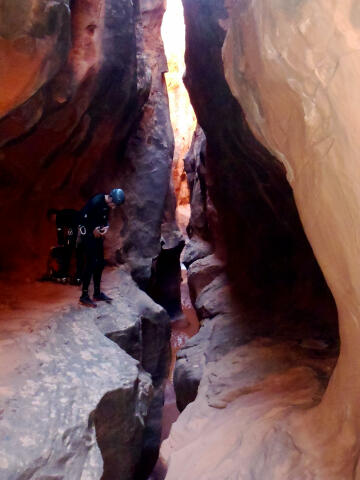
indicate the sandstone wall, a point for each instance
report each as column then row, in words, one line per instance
column 70, row 124
column 56, row 146
column 261, row 239
column 271, row 385
column 84, row 108
column 146, row 166
column 295, row 66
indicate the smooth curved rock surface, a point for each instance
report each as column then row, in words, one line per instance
column 295, row 68
column 264, row 407
column 257, row 231
column 238, row 425
column 34, row 43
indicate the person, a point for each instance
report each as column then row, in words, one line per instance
column 60, row 257
column 94, row 224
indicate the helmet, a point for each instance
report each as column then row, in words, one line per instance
column 117, row 196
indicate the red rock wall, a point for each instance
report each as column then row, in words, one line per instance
column 64, row 133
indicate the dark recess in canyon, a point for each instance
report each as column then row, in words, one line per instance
column 257, row 231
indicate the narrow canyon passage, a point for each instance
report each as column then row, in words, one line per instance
column 181, row 330
column 183, row 121
column 232, row 128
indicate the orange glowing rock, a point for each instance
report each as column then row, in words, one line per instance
column 183, row 119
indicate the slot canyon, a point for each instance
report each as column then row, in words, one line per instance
column 228, row 351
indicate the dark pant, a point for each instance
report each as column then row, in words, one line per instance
column 93, row 249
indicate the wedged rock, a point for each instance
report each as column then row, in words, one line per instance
column 166, row 269
column 214, row 298
column 64, row 378
column 195, row 249
column 202, row 272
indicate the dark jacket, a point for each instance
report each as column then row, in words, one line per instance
column 95, row 214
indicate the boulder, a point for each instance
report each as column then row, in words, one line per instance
column 201, row 273
column 215, row 298
column 68, row 380
column 73, row 404
column 137, row 325
column 166, row 269
column 195, row 249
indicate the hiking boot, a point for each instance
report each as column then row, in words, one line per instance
column 101, row 297
column 87, row 302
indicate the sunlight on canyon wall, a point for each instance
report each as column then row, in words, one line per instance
column 183, row 118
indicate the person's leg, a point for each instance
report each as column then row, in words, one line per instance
column 88, row 271
column 89, row 255
column 99, row 264
column 98, row 294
